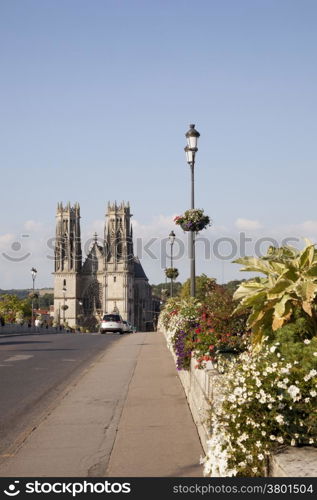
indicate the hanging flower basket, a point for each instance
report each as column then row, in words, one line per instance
column 193, row 220
column 171, row 273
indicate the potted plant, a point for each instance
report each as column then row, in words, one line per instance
column 193, row 220
column 171, row 272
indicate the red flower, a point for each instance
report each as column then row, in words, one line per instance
column 198, row 330
column 211, row 347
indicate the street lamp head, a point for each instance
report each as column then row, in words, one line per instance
column 64, row 289
column 33, row 272
column 192, row 137
column 172, row 237
column 190, row 154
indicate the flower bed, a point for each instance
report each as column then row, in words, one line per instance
column 268, row 401
column 266, row 395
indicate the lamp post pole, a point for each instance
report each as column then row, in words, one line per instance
column 172, row 239
column 191, row 150
column 64, row 292
column 33, row 274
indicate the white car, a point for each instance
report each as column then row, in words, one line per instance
column 111, row 323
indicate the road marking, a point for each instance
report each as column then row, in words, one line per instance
column 19, row 357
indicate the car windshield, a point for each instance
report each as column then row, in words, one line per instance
column 112, row 317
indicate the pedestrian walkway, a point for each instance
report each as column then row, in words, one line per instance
column 127, row 416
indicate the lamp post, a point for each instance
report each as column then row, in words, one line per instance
column 171, row 237
column 64, row 292
column 33, row 274
column 191, row 150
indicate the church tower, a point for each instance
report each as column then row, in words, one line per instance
column 68, row 262
column 119, row 262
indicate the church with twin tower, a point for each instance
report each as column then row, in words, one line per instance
column 110, row 278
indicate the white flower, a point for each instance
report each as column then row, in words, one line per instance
column 263, row 433
column 238, row 391
column 280, row 439
column 294, row 392
column 254, row 469
column 260, row 456
column 293, row 442
column 273, row 348
column 311, row 441
column 272, row 437
column 279, row 418
column 306, row 341
column 310, row 375
column 258, row 444
column 313, row 393
column 315, row 353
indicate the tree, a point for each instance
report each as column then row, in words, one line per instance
column 12, row 307
column 204, row 285
column 46, row 300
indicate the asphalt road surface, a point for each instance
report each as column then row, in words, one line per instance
column 35, row 371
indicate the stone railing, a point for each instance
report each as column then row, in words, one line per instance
column 16, row 329
column 202, row 388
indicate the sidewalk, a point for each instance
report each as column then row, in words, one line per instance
column 126, row 417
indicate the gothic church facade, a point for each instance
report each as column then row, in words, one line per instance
column 110, row 279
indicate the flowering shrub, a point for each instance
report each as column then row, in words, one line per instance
column 193, row 220
column 269, row 399
column 178, row 315
column 219, row 331
column 203, row 331
column 210, row 345
column 182, row 346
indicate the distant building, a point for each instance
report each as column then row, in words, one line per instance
column 110, row 279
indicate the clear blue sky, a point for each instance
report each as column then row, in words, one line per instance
column 96, row 97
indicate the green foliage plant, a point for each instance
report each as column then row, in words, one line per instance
column 290, row 285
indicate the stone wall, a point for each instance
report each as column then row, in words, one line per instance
column 202, row 388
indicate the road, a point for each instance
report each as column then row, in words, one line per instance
column 35, row 371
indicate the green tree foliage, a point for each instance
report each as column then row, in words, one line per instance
column 12, row 307
column 46, row 300
column 203, row 287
